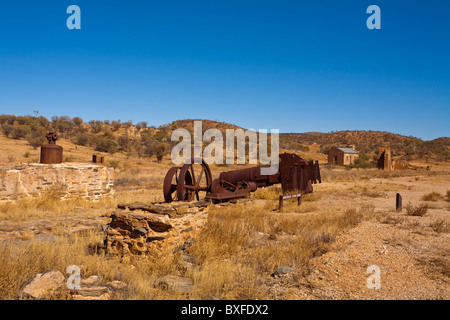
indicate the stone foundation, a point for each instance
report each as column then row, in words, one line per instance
column 137, row 228
column 65, row 180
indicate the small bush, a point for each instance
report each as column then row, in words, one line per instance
column 419, row 210
column 432, row 196
column 20, row 131
column 440, row 226
column 105, row 145
column 114, row 163
column 35, row 140
column 7, row 129
column 81, row 139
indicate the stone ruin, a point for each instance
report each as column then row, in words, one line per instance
column 85, row 180
column 384, row 158
column 385, row 161
column 137, row 228
column 52, row 176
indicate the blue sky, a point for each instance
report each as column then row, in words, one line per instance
column 296, row 66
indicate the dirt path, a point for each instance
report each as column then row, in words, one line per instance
column 413, row 264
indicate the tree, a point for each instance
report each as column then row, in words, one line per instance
column 20, row 131
column 116, row 124
column 124, row 143
column 104, row 144
column 148, row 144
column 7, row 129
column 161, row 149
column 36, row 139
column 77, row 121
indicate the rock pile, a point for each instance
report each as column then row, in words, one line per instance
column 138, row 228
column 53, row 285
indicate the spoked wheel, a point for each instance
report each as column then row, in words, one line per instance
column 171, row 182
column 200, row 178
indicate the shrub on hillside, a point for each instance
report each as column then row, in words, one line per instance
column 7, row 129
column 81, row 139
column 105, row 145
column 20, row 131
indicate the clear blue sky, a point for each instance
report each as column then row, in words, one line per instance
column 295, row 66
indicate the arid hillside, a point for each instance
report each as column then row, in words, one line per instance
column 367, row 142
column 142, row 140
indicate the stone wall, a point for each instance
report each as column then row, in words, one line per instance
column 90, row 181
column 138, row 228
column 384, row 158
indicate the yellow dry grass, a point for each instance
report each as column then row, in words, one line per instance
column 234, row 256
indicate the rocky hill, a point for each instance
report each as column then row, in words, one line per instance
column 142, row 139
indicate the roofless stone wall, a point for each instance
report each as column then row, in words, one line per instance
column 89, row 181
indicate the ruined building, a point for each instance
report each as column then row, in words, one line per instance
column 342, row 156
column 384, row 158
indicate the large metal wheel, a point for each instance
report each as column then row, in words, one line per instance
column 171, row 182
column 200, row 180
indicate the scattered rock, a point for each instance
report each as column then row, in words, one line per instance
column 118, row 285
column 152, row 208
column 44, row 285
column 91, row 281
column 282, row 270
column 175, row 283
column 91, row 291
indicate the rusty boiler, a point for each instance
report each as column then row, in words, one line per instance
column 51, row 153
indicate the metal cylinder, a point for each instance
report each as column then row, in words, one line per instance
column 51, row 153
column 249, row 175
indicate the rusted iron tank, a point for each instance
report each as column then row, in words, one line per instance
column 51, row 153
column 183, row 183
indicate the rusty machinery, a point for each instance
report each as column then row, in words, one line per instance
column 186, row 182
column 51, row 153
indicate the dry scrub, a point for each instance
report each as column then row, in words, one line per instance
column 235, row 257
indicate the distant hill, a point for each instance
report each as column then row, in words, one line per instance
column 144, row 140
column 367, row 142
column 188, row 124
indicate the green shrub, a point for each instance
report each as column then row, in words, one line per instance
column 20, row 131
column 81, row 139
column 105, row 145
column 114, row 163
column 7, row 129
column 35, row 141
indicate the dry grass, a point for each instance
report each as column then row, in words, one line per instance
column 432, row 196
column 440, row 226
column 234, row 256
column 244, row 244
column 49, row 204
column 419, row 210
column 19, row 261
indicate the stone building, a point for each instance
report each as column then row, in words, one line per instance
column 384, row 158
column 342, row 156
